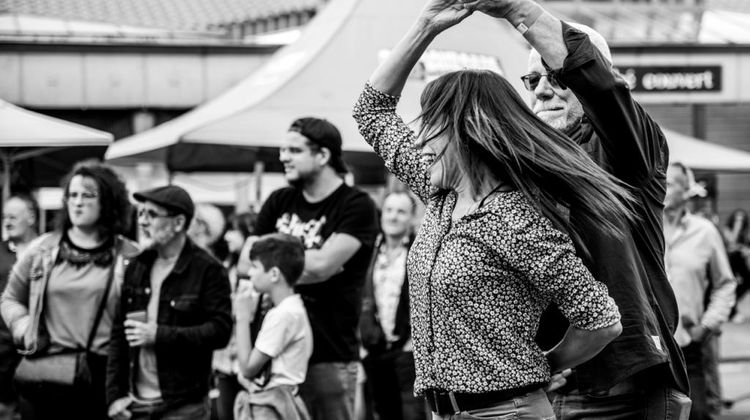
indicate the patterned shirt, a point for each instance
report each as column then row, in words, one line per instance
column 478, row 285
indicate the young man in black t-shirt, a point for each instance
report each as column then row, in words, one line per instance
column 337, row 225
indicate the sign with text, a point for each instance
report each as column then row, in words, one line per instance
column 672, row 78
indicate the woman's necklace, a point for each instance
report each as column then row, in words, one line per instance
column 479, row 204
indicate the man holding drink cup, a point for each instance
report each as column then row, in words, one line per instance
column 175, row 310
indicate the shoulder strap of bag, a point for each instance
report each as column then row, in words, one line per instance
column 103, row 303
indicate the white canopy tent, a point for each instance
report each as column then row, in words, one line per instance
column 321, row 74
column 23, row 128
column 25, row 134
column 702, row 155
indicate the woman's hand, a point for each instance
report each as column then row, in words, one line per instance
column 439, row 15
column 436, row 16
column 118, row 410
column 558, row 380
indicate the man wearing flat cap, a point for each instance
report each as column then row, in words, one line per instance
column 337, row 224
column 175, row 310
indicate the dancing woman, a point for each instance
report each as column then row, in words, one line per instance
column 495, row 245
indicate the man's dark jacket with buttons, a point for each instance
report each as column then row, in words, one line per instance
column 194, row 319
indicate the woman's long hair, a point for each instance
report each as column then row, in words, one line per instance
column 490, row 128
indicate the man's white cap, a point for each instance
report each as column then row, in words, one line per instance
column 596, row 38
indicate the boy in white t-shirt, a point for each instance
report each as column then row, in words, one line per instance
column 285, row 338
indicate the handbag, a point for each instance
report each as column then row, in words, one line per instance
column 69, row 367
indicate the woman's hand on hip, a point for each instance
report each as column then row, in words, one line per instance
column 118, row 410
column 558, row 380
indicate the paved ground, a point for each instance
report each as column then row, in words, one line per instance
column 735, row 366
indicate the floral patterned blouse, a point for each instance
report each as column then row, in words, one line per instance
column 478, row 285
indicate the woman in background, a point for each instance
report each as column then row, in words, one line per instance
column 55, row 290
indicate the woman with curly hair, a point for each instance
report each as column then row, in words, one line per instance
column 62, row 293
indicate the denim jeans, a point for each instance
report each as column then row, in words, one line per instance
column 329, row 390
column 532, row 406
column 228, row 387
column 713, row 381
column 199, row 410
column 390, row 381
column 701, row 360
column 9, row 359
column 624, row 401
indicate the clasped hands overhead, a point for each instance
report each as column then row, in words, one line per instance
column 448, row 10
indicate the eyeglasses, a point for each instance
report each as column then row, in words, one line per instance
column 531, row 80
column 85, row 196
column 151, row 214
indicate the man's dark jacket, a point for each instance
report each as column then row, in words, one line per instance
column 194, row 320
column 621, row 138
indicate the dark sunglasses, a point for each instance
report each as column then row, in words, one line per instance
column 531, row 80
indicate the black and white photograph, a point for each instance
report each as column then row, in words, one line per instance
column 375, row 209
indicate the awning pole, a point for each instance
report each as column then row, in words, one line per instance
column 7, row 161
column 259, row 168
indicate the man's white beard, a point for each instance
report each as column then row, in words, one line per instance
column 559, row 123
column 153, row 242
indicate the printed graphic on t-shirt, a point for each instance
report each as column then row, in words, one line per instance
column 310, row 231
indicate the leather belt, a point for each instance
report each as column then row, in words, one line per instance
column 447, row 402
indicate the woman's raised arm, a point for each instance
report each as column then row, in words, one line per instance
column 437, row 16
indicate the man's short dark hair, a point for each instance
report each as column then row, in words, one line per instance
column 282, row 251
column 322, row 133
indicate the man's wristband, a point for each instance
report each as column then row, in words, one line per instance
column 529, row 19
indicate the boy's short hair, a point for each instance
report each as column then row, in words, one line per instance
column 282, row 251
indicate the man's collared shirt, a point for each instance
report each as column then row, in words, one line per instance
column 696, row 261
